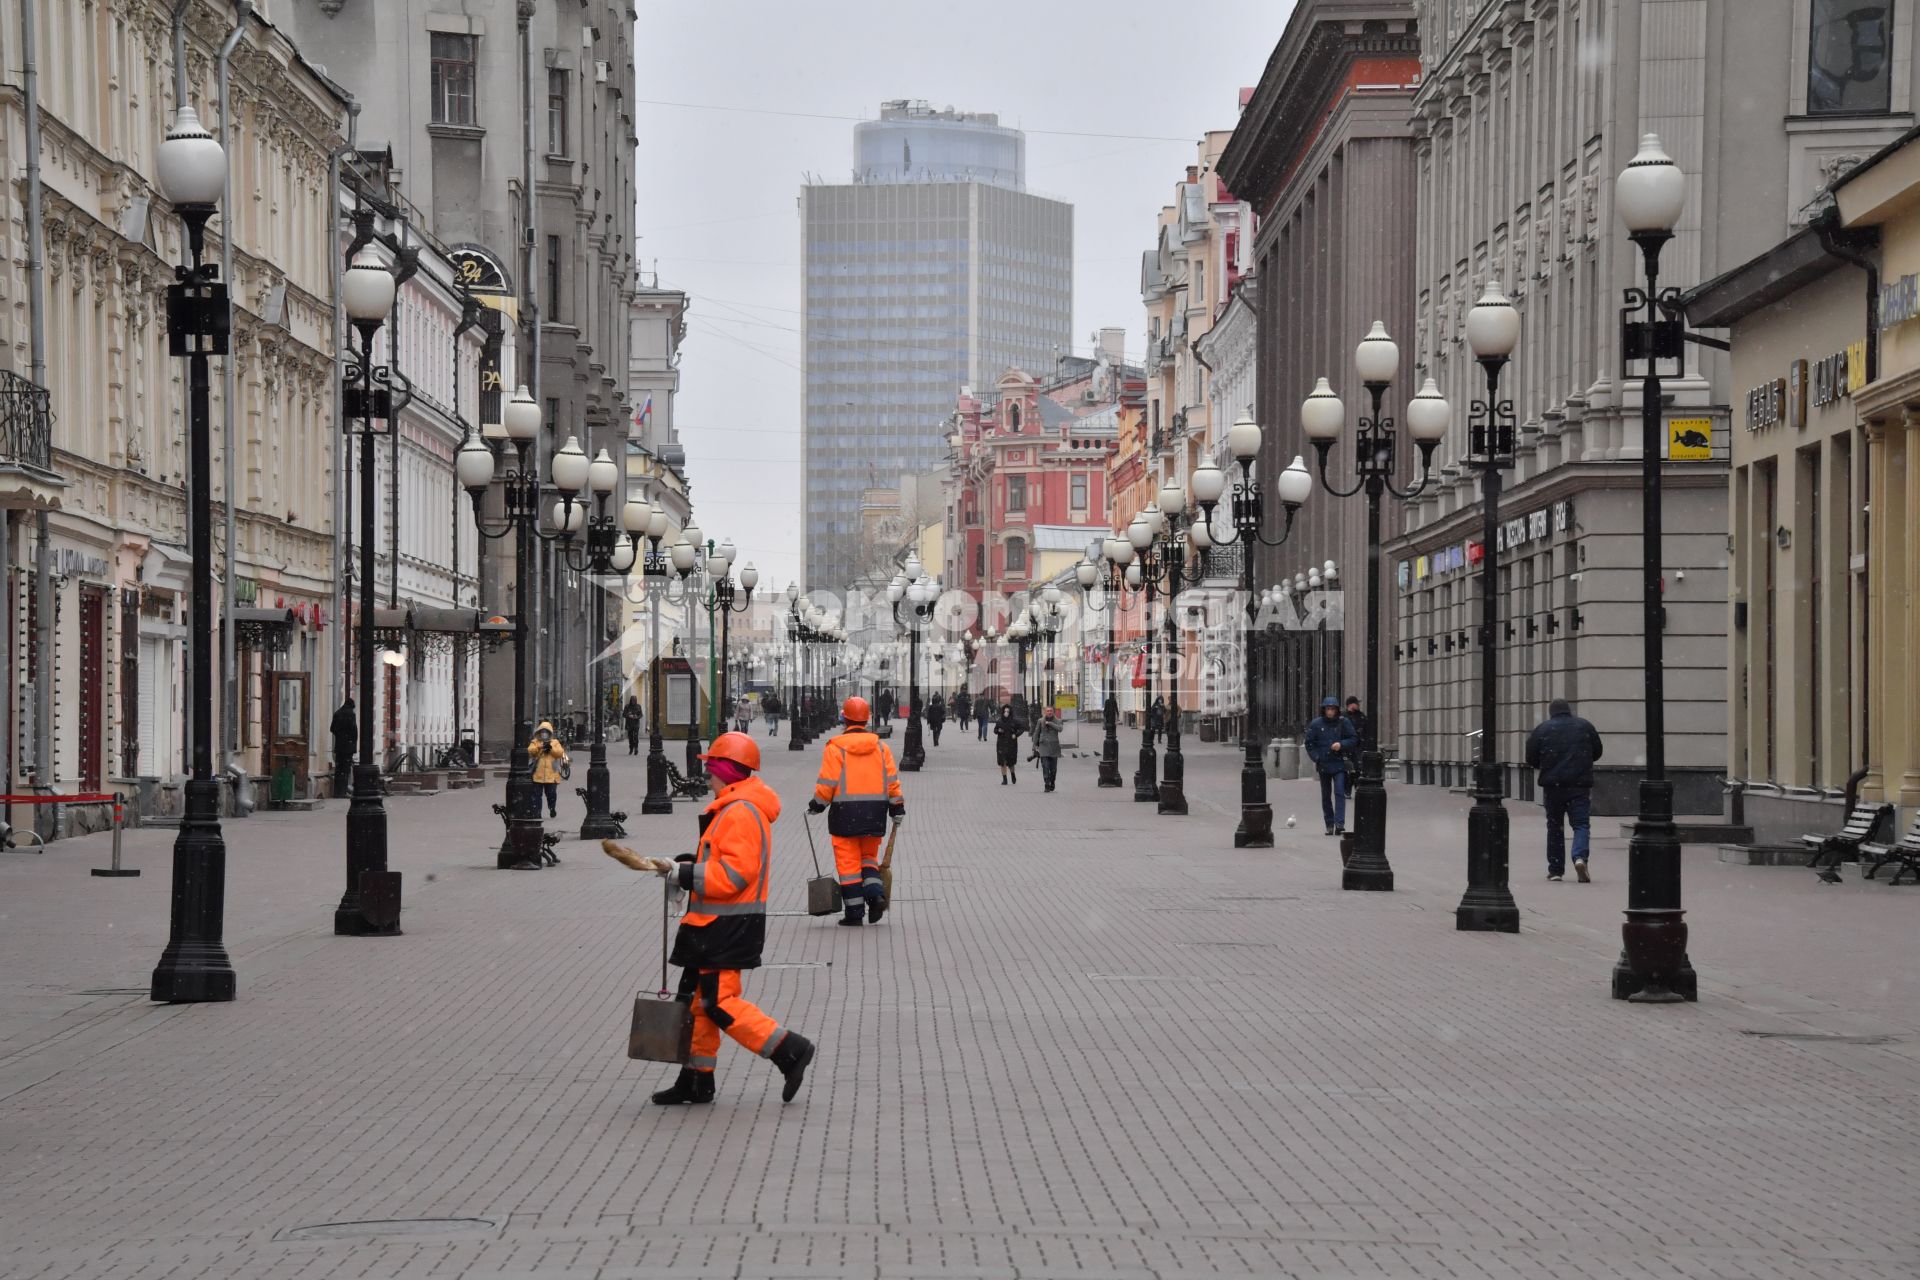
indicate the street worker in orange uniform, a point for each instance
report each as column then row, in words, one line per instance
column 726, row 924
column 860, row 786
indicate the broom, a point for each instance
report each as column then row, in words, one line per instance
column 886, row 866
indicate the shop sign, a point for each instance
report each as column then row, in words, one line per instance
column 1767, row 405
column 1690, row 439
column 68, row 563
column 1899, row 301
column 1476, row 553
column 1818, row 384
column 1449, row 559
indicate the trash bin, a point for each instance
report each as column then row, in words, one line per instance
column 281, row 789
column 1283, row 758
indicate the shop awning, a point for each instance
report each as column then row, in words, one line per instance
column 263, row 617
column 386, row 619
column 442, row 618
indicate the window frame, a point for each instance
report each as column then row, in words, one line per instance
column 444, row 92
column 1021, row 481
column 1890, row 21
column 558, row 108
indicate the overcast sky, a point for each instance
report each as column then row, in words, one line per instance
column 718, row 209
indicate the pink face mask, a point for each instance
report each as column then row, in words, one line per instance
column 726, row 772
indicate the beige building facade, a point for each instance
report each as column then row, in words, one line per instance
column 114, row 603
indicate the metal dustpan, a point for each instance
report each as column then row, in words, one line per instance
column 823, row 892
column 662, row 1022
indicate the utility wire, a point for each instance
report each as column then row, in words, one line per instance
column 819, row 115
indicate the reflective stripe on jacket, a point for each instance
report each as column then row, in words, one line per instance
column 726, row 922
column 859, row 783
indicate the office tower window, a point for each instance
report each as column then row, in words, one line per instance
column 556, row 111
column 452, row 77
column 1848, row 71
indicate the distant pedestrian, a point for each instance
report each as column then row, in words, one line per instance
column 743, row 715
column 1157, row 718
column 1563, row 748
column 962, row 708
column 982, row 721
column 632, row 716
column 550, row 765
column 1007, row 728
column 1046, row 745
column 936, row 716
column 1357, row 718
column 884, row 705
column 345, row 728
column 1330, row 745
column 771, row 708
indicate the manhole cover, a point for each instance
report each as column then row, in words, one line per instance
column 385, row 1228
column 1821, row 1037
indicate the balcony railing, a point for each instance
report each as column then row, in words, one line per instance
column 26, row 423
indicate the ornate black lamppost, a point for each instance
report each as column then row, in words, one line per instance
column 1021, row 633
column 1166, row 570
column 1047, row 617
column 799, row 732
column 725, row 590
column 476, row 468
column 1249, row 513
column 1653, row 968
column 1141, row 575
column 1493, row 328
column 697, row 545
column 1102, row 562
column 659, row 797
column 1322, row 417
column 919, row 593
column 367, row 291
column 194, row 967
column 609, row 550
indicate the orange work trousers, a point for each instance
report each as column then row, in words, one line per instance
column 717, row 1007
column 856, row 860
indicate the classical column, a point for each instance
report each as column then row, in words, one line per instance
column 1880, row 534
column 1903, row 647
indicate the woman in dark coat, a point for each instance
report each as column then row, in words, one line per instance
column 1157, row 718
column 1006, row 747
column 936, row 716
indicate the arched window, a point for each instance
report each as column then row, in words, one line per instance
column 1013, row 417
column 1016, row 555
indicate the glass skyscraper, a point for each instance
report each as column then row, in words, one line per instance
column 934, row 268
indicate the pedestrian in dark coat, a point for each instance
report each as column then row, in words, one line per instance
column 1330, row 743
column 345, row 728
column 886, row 705
column 936, row 716
column 1007, row 729
column 1357, row 718
column 1046, row 746
column 962, row 708
column 632, row 715
column 1563, row 748
column 1157, row 718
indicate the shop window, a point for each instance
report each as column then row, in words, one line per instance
column 1848, row 69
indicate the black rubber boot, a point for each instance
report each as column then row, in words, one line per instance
column 792, row 1057
column 689, row 1086
column 876, row 906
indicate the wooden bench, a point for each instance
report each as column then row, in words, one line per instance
column 1863, row 823
column 1905, row 851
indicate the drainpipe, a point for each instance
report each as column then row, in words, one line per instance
column 229, row 652
column 336, row 643
column 531, row 274
column 37, row 357
column 1848, row 254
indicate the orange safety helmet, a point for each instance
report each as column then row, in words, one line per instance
column 737, row 747
column 855, row 711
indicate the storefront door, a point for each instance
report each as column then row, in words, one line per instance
column 287, row 727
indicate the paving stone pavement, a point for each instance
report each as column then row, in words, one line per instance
column 1089, row 1041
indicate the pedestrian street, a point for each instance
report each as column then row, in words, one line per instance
column 1086, row 1040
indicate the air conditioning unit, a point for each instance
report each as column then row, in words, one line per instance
column 600, row 70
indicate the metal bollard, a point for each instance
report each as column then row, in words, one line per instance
column 119, row 825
